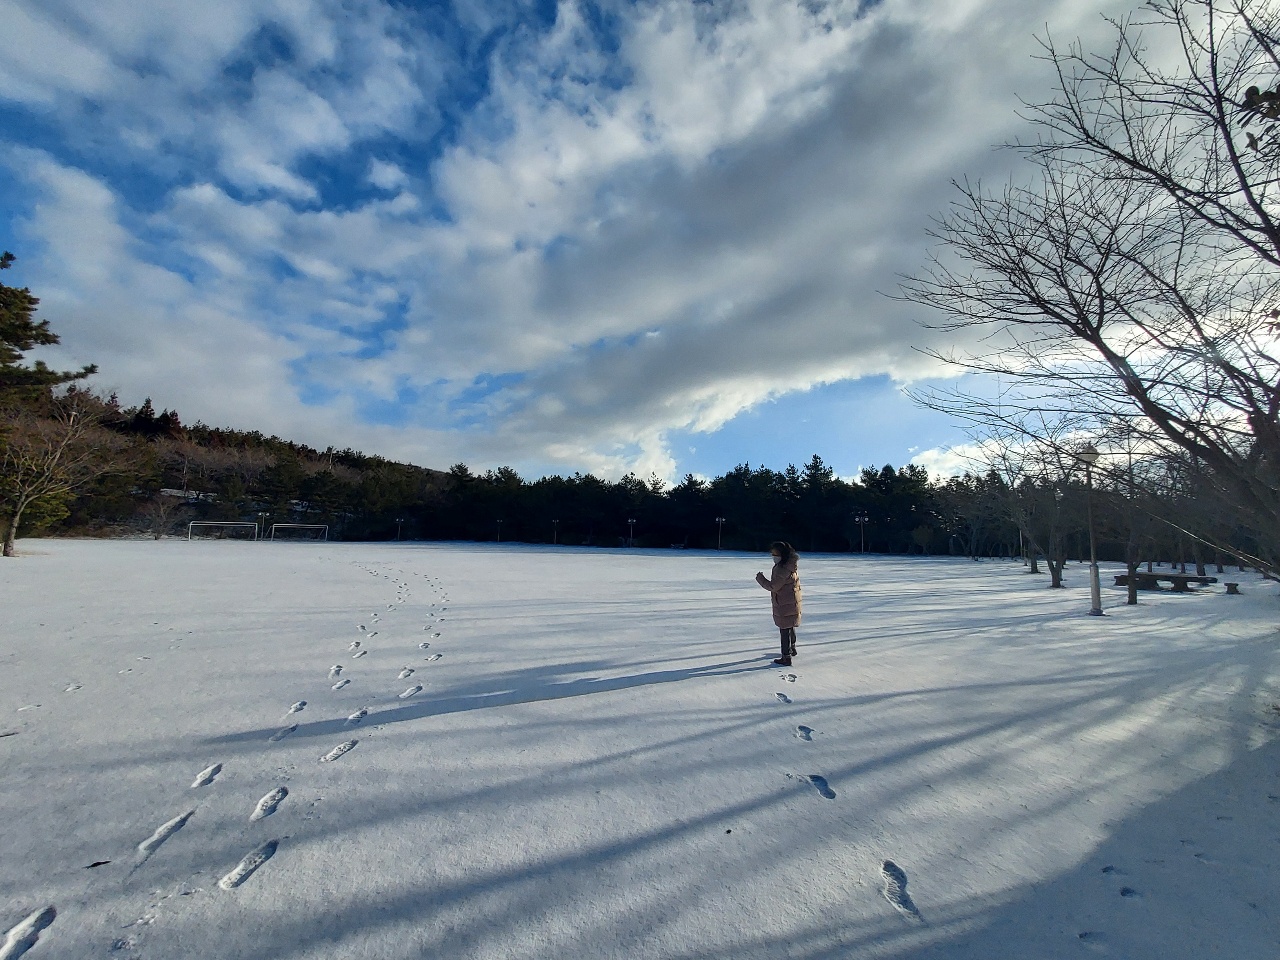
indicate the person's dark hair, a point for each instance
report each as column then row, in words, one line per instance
column 784, row 550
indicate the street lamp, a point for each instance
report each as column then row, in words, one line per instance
column 499, row 531
column 1088, row 455
column 555, row 533
column 719, row 530
column 861, row 519
column 631, row 540
column 399, row 524
column 262, row 515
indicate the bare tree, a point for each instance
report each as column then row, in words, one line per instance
column 161, row 513
column 1040, row 485
column 47, row 453
column 1134, row 285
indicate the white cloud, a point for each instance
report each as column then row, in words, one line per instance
column 42, row 61
column 386, row 176
column 954, row 461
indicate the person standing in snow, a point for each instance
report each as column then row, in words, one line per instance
column 783, row 585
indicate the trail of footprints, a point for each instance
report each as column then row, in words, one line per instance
column 805, row 733
column 893, row 877
column 23, row 936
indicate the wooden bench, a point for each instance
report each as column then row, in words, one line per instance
column 1151, row 581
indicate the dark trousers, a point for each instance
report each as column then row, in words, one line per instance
column 788, row 641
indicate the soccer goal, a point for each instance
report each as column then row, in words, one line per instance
column 299, row 531
column 219, row 530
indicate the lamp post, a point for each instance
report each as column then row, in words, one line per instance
column 631, row 538
column 555, row 531
column 399, row 525
column 262, row 516
column 499, row 531
column 861, row 519
column 1088, row 455
column 719, row 530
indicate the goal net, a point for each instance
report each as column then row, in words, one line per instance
column 217, row 530
column 299, row 531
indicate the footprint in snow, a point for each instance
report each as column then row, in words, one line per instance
column 354, row 645
column 334, row 671
column 783, row 697
column 268, row 804
column 206, row 776
column 282, row 733
column 804, row 733
column 362, row 628
column 424, row 645
column 789, row 677
column 248, row 864
column 23, row 936
column 416, row 688
column 820, row 784
column 406, row 673
column 339, row 750
column 357, row 716
column 434, row 656
column 895, row 890
column 163, row 832
column 298, row 707
column 340, row 684
column 358, row 654
column 72, row 689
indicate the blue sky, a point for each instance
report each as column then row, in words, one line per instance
column 607, row 237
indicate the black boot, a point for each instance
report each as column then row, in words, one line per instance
column 785, row 659
column 791, row 652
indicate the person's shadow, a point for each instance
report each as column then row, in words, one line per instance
column 525, row 687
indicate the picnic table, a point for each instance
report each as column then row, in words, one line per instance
column 1151, row 581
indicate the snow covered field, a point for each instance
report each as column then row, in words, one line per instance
column 572, row 753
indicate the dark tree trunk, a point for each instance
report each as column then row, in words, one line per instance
column 11, row 530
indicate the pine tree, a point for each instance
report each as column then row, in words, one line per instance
column 20, row 332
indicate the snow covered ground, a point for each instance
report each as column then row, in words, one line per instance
column 561, row 753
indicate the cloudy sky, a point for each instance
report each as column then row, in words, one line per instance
column 650, row 236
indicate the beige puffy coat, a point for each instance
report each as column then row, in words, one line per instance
column 783, row 585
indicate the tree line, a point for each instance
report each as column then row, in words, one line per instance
column 138, row 470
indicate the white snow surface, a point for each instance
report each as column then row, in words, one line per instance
column 598, row 764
